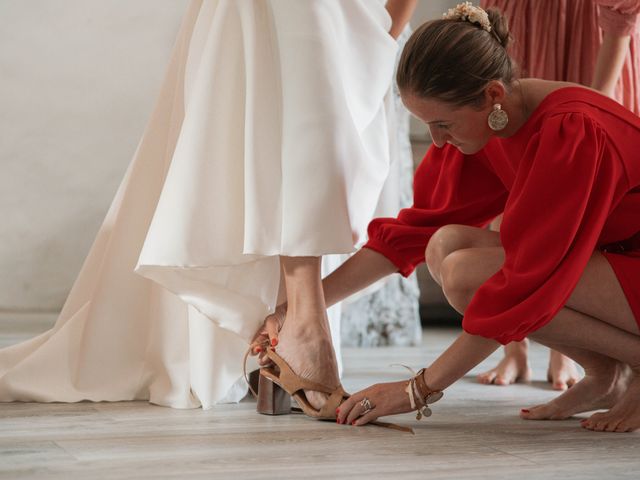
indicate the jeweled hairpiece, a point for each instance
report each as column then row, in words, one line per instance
column 468, row 13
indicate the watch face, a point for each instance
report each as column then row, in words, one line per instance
column 433, row 397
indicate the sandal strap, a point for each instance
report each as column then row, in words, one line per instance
column 333, row 402
column 245, row 374
column 291, row 381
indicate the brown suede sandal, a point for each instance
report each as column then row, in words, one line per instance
column 295, row 386
column 278, row 385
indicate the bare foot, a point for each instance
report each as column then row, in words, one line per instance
column 600, row 388
column 514, row 367
column 305, row 344
column 625, row 414
column 563, row 372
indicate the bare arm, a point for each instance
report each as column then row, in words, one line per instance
column 400, row 12
column 359, row 271
column 610, row 61
column 462, row 355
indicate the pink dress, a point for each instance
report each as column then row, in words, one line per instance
column 559, row 39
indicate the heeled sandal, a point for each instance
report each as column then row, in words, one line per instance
column 285, row 378
column 276, row 387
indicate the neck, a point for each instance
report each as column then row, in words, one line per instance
column 516, row 106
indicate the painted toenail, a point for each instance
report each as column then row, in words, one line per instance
column 353, row 423
column 524, row 410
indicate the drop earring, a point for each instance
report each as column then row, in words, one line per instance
column 498, row 118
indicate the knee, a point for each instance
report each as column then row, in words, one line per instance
column 443, row 242
column 457, row 285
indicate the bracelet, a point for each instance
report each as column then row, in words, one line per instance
column 421, row 396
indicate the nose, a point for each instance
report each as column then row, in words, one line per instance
column 439, row 139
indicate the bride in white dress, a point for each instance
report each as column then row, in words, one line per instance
column 267, row 145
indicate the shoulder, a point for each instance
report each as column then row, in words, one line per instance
column 571, row 114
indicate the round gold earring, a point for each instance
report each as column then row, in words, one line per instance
column 498, row 118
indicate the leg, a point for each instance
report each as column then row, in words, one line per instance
column 596, row 326
column 514, row 366
column 601, row 339
column 613, row 334
column 562, row 372
column 305, row 340
column 451, row 238
column 605, row 381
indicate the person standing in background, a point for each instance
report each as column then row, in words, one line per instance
column 591, row 42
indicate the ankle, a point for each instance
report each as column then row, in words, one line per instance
column 315, row 330
column 519, row 351
column 558, row 358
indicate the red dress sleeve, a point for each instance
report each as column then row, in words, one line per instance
column 566, row 185
column 449, row 188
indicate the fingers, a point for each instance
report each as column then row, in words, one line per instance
column 344, row 410
column 352, row 410
column 355, row 412
column 264, row 361
column 366, row 418
column 258, row 343
column 272, row 327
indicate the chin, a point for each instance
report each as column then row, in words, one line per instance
column 468, row 150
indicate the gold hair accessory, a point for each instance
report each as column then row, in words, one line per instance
column 466, row 12
column 498, row 118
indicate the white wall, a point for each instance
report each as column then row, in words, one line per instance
column 78, row 79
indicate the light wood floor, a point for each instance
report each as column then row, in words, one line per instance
column 474, row 433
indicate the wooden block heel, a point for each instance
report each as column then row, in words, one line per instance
column 272, row 399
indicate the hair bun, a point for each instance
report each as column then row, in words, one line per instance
column 499, row 26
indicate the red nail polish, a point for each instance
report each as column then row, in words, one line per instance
column 524, row 410
column 337, row 411
column 258, row 349
column 274, row 342
column 353, row 423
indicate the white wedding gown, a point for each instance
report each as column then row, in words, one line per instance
column 269, row 138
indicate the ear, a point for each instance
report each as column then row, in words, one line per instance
column 495, row 92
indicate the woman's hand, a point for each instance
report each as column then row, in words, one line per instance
column 385, row 399
column 268, row 333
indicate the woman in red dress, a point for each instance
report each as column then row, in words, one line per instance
column 561, row 162
column 590, row 42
